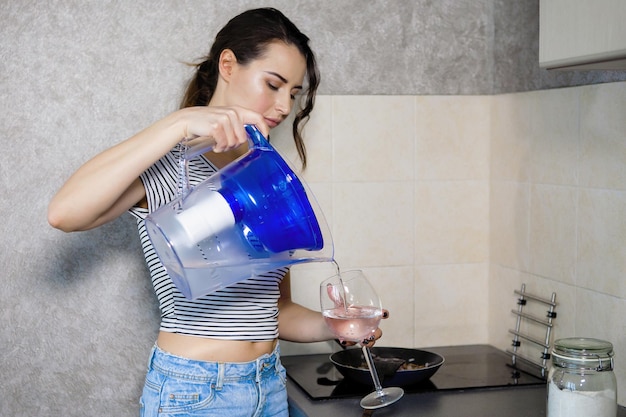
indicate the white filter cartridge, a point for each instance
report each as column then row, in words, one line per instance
column 208, row 217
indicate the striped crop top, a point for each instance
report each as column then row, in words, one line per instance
column 247, row 310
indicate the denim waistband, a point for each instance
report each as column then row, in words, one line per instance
column 216, row 372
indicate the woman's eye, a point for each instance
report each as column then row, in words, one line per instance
column 272, row 87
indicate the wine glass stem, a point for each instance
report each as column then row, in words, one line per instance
column 370, row 364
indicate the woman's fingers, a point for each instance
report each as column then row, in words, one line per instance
column 377, row 334
column 222, row 125
column 373, row 338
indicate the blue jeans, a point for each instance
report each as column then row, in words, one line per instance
column 177, row 386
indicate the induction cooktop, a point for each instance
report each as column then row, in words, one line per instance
column 466, row 367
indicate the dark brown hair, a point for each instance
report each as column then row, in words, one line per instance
column 248, row 36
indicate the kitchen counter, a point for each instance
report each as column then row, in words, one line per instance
column 526, row 401
column 506, row 401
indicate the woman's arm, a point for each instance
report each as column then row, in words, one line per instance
column 297, row 323
column 108, row 184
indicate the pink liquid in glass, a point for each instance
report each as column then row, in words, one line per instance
column 355, row 323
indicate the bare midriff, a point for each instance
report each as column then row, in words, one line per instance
column 213, row 350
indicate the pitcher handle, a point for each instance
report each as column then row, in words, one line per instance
column 190, row 148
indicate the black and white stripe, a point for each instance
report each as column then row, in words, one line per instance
column 246, row 310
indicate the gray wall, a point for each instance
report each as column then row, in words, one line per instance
column 77, row 313
column 515, row 53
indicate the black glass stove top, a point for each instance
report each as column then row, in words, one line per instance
column 465, row 367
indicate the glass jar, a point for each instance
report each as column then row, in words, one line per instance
column 581, row 381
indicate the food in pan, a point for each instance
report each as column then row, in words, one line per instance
column 408, row 365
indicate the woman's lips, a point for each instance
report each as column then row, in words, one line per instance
column 272, row 123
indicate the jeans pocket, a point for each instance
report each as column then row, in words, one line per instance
column 184, row 396
column 165, row 395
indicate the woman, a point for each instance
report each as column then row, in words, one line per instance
column 217, row 355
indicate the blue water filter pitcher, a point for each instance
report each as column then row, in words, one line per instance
column 251, row 217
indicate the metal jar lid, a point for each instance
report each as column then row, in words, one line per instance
column 581, row 352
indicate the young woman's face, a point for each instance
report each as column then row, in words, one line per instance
column 268, row 85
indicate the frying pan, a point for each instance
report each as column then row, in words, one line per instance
column 350, row 363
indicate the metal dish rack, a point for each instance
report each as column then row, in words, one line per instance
column 536, row 343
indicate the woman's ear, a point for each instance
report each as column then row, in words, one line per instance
column 227, row 63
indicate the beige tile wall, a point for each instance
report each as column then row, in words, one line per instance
column 558, row 210
column 449, row 203
column 403, row 182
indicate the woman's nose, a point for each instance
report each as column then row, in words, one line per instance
column 283, row 104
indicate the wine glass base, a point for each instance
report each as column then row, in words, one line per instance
column 377, row 399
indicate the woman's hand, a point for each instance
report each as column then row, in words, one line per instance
column 219, row 128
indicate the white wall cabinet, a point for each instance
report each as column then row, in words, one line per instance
column 582, row 34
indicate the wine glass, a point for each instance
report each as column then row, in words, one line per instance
column 352, row 310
